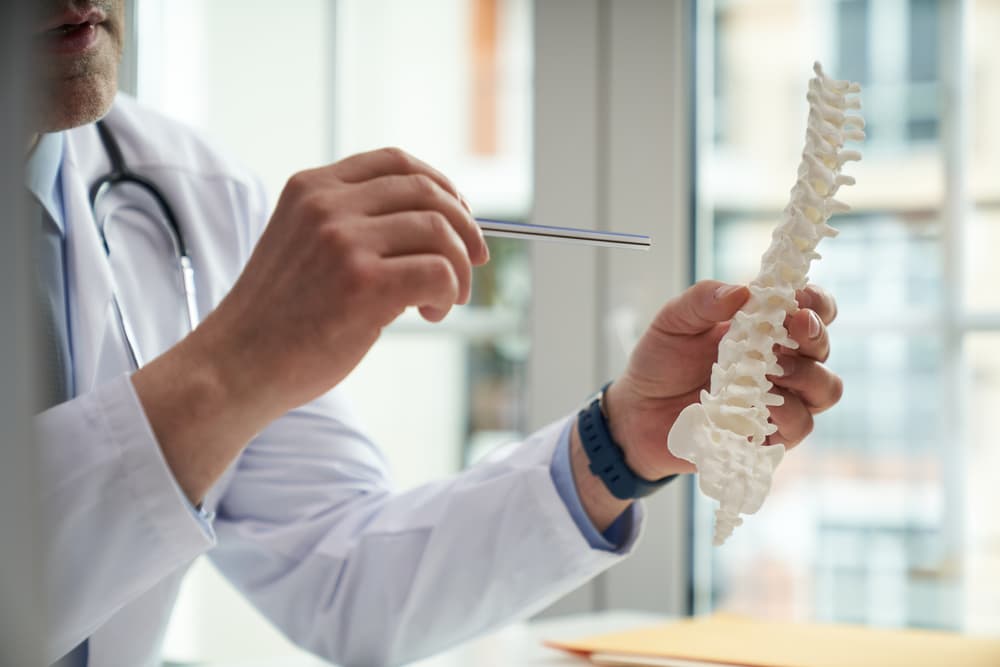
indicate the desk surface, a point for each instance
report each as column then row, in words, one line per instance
column 522, row 644
column 519, row 645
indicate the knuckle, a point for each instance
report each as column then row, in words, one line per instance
column 358, row 273
column 314, row 206
column 423, row 185
column 297, row 183
column 303, row 183
column 440, row 272
column 396, row 158
column 436, row 223
column 336, row 239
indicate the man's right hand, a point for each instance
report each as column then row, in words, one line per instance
column 349, row 247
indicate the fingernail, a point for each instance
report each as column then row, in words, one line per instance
column 726, row 290
column 465, row 202
column 815, row 326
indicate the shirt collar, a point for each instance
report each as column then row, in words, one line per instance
column 42, row 175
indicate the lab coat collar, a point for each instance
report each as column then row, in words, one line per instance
column 42, row 175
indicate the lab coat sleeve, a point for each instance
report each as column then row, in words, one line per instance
column 312, row 533
column 114, row 522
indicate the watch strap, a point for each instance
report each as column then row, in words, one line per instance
column 607, row 459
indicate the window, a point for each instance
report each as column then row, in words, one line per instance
column 880, row 517
column 447, row 80
column 892, row 48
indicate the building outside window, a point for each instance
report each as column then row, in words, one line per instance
column 879, row 517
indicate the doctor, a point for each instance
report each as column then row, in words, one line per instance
column 234, row 441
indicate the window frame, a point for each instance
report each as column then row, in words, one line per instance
column 612, row 119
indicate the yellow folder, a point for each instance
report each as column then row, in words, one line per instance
column 733, row 640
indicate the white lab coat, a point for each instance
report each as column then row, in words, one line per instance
column 306, row 523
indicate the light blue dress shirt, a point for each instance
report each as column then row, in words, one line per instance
column 42, row 175
column 562, row 475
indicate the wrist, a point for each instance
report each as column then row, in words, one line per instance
column 615, row 405
column 607, row 459
column 600, row 505
column 199, row 415
column 240, row 364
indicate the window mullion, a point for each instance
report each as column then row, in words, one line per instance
column 955, row 213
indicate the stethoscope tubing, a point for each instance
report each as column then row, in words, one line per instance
column 119, row 174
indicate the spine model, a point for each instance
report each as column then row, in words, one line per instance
column 724, row 435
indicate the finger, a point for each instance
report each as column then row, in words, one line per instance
column 820, row 301
column 426, row 281
column 417, row 233
column 817, row 386
column 388, row 162
column 805, row 327
column 793, row 419
column 417, row 192
column 701, row 307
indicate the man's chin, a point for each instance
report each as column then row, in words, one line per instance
column 74, row 102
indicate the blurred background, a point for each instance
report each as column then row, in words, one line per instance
column 682, row 120
column 886, row 517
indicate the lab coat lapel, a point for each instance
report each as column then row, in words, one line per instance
column 98, row 349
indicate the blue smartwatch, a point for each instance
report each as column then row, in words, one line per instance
column 607, row 459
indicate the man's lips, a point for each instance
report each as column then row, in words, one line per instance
column 73, row 18
column 73, row 32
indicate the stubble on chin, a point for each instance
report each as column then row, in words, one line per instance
column 78, row 92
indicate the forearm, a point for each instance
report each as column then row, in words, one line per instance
column 201, row 417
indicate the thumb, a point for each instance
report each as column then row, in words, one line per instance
column 700, row 307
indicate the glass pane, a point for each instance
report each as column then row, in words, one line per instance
column 984, row 166
column 979, row 464
column 461, row 102
column 861, row 523
column 450, row 82
column 853, row 25
column 855, row 527
column 981, row 268
column 878, row 263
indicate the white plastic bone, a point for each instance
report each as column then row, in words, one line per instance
column 724, row 434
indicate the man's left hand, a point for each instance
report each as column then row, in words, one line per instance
column 672, row 364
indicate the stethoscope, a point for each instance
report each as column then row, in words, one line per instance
column 121, row 174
